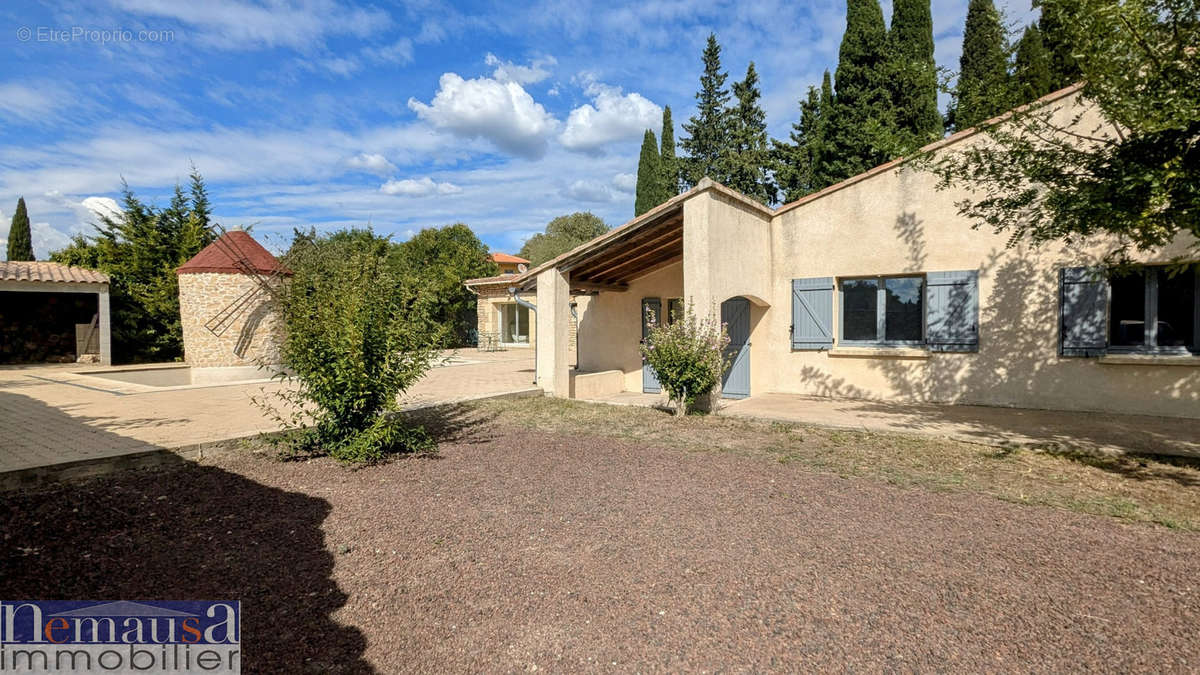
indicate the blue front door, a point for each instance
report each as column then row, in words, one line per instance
column 651, row 314
column 735, row 314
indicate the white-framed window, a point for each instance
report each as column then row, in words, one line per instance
column 1152, row 310
column 514, row 323
column 882, row 311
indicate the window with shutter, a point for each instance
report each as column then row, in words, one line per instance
column 952, row 311
column 1083, row 311
column 812, row 313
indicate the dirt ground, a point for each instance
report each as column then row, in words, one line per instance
column 516, row 549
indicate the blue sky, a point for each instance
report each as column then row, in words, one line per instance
column 404, row 115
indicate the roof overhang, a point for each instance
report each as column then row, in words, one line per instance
column 611, row 261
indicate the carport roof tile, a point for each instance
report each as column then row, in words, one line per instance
column 49, row 272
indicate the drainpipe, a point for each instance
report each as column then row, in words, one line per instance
column 574, row 305
column 512, row 292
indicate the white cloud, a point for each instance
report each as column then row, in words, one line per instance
column 399, row 52
column 241, row 25
column 102, row 206
column 371, row 163
column 507, row 71
column 418, row 188
column 585, row 190
column 29, row 103
column 613, row 118
column 625, row 182
column 500, row 112
column 46, row 239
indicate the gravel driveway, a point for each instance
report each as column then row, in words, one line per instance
column 515, row 550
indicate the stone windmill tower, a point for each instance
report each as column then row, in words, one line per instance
column 224, row 304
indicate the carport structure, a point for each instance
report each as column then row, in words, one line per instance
column 48, row 277
column 700, row 246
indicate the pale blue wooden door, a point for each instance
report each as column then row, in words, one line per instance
column 651, row 314
column 735, row 314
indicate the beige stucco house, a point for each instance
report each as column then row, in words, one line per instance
column 501, row 320
column 875, row 288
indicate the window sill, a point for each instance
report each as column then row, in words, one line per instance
column 880, row 352
column 1150, row 360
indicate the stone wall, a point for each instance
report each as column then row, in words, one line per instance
column 252, row 338
column 488, row 313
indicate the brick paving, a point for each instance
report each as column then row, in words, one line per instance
column 51, row 415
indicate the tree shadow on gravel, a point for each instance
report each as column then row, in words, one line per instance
column 188, row 532
column 461, row 423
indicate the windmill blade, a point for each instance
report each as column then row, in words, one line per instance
column 242, row 261
column 222, row 320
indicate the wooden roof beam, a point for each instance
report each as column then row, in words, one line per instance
column 599, row 272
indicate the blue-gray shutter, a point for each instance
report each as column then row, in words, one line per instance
column 952, row 311
column 812, row 313
column 1083, row 306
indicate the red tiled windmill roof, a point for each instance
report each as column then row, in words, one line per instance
column 222, row 255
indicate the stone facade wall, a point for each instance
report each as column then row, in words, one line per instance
column 488, row 311
column 253, row 337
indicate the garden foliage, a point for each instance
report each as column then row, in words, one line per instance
column 359, row 332
column 688, row 354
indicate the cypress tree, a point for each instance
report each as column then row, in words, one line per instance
column 862, row 130
column 668, row 165
column 912, row 74
column 1064, row 71
column 1032, row 68
column 801, row 166
column 649, row 177
column 747, row 165
column 708, row 129
column 20, row 240
column 982, row 91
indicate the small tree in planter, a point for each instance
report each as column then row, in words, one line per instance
column 688, row 355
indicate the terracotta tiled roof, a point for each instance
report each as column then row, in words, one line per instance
column 221, row 256
column 485, row 281
column 49, row 272
column 506, row 258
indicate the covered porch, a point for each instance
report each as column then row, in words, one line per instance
column 697, row 248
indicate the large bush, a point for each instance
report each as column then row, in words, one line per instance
column 358, row 334
column 688, row 354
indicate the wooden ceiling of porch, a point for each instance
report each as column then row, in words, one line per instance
column 613, row 267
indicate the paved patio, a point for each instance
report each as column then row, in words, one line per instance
column 1084, row 431
column 52, row 415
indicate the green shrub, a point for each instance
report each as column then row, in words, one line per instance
column 688, row 354
column 357, row 336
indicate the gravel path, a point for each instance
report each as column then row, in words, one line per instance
column 514, row 551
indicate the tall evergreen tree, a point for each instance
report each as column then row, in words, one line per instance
column 140, row 248
column 649, row 176
column 197, row 231
column 20, row 240
column 983, row 89
column 668, row 164
column 802, row 166
column 912, row 74
column 1064, row 71
column 1031, row 70
column 708, row 129
column 862, row 131
column 747, row 165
